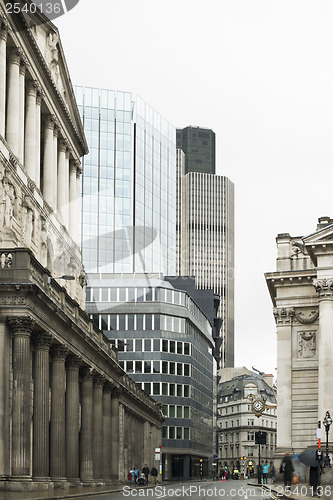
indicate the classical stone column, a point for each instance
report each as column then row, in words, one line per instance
column 115, row 438
column 284, row 318
column 48, row 163
column 78, row 173
column 58, row 414
column 107, row 424
column 21, row 413
column 324, row 288
column 3, row 60
column 55, row 165
column 98, row 426
column 73, row 214
column 22, row 109
column 66, row 211
column 13, row 100
column 86, row 445
column 38, row 135
column 72, row 418
column 30, row 129
column 62, row 147
column 41, row 417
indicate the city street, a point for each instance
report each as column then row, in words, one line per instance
column 232, row 490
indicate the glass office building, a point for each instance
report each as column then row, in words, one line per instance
column 164, row 343
column 128, row 185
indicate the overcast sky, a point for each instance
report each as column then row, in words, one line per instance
column 259, row 73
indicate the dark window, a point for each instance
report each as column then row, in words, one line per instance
column 164, row 345
column 147, row 345
column 147, row 366
column 129, row 367
column 104, row 321
column 172, row 368
column 179, row 390
column 179, row 348
column 147, row 388
column 171, row 433
column 186, row 391
column 156, row 389
column 156, row 322
column 156, row 345
column 149, row 321
column 164, row 367
column 156, row 367
column 138, row 344
column 113, row 322
column 186, row 370
column 172, row 390
column 130, row 322
column 172, row 346
column 129, row 345
column 138, row 367
column 186, row 348
column 179, row 369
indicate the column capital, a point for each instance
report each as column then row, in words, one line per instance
column 62, row 145
column 115, row 391
column 4, row 29
column 42, row 340
column 50, row 121
column 88, row 373
column 23, row 66
column 32, row 87
column 108, row 387
column 73, row 362
column 21, row 326
column 99, row 379
column 324, row 288
column 69, row 151
column 40, row 95
column 59, row 351
column 73, row 165
column 283, row 315
column 15, row 55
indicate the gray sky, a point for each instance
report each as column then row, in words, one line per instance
column 259, row 73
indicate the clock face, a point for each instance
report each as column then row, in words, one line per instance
column 257, row 406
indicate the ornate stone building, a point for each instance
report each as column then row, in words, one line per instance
column 68, row 411
column 301, row 290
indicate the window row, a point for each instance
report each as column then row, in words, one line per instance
column 173, row 411
column 133, row 322
column 175, row 432
column 166, row 367
column 152, row 345
column 146, row 294
column 166, row 389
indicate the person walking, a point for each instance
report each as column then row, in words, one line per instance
column 146, row 471
column 287, row 469
column 314, row 480
column 154, row 475
column 265, row 469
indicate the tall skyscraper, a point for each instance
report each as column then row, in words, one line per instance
column 205, row 234
column 198, row 144
column 128, row 185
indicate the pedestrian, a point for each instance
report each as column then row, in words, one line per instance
column 130, row 477
column 136, row 474
column 265, row 469
column 154, row 475
column 273, row 473
column 314, row 480
column 287, row 469
column 146, row 471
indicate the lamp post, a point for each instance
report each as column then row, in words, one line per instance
column 327, row 423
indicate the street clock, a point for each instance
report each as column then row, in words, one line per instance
column 258, row 407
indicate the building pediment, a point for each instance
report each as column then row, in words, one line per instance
column 320, row 242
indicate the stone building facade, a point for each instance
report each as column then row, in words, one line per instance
column 67, row 409
column 301, row 290
column 237, row 423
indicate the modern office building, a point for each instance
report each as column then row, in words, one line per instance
column 237, row 423
column 164, row 343
column 198, row 144
column 205, row 235
column 128, row 204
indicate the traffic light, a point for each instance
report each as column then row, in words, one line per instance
column 260, row 437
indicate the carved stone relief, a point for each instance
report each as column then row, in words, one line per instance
column 306, row 344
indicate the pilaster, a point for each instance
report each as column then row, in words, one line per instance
column 23, row 67
column 39, row 98
column 115, row 438
column 107, row 423
column 324, row 288
column 284, row 319
column 3, row 66
column 62, row 147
